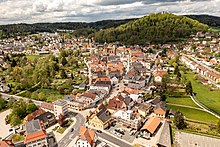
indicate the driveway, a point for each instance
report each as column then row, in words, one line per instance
column 4, row 129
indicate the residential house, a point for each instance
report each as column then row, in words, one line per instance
column 47, row 118
column 128, row 118
column 88, row 98
column 160, row 110
column 47, row 107
column 150, row 127
column 6, row 143
column 159, row 76
column 73, row 103
column 35, row 135
column 86, row 138
column 116, row 104
column 144, row 109
column 100, row 118
column 34, row 114
column 102, row 84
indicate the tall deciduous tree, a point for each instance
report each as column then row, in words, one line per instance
column 61, row 119
column 179, row 120
column 189, row 89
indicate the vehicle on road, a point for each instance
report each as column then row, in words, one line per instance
column 10, row 130
column 99, row 131
column 72, row 129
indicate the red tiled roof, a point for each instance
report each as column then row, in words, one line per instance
column 151, row 125
column 115, row 104
column 160, row 73
column 6, row 143
column 36, row 113
column 87, row 134
column 160, row 111
column 48, row 106
column 90, row 95
column 214, row 74
column 35, row 136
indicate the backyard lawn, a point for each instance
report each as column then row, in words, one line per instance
column 194, row 114
column 209, row 98
column 185, row 100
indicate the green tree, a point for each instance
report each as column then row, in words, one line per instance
column 3, row 103
column 176, row 69
column 218, row 126
column 31, row 107
column 163, row 97
column 63, row 61
column 63, row 74
column 188, row 87
column 179, row 120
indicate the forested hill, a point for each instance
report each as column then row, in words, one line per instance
column 154, row 27
column 213, row 21
column 82, row 27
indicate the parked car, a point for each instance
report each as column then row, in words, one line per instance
column 99, row 131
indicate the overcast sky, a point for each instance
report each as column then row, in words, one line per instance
column 32, row 11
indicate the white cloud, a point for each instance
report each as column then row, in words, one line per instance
column 31, row 11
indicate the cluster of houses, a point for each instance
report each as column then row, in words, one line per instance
column 127, row 108
column 202, row 70
column 35, row 124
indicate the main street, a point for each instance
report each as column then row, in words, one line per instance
column 80, row 121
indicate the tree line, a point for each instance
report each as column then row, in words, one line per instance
column 154, row 28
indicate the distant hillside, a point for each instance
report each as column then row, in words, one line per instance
column 82, row 27
column 155, row 27
column 213, row 21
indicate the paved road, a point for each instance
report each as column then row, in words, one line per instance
column 80, row 121
column 113, row 140
column 6, row 96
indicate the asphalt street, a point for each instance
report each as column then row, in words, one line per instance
column 80, row 121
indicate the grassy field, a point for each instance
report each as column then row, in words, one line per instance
column 33, row 56
column 181, row 101
column 194, row 114
column 209, row 98
column 215, row 29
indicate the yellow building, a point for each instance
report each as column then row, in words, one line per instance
column 100, row 120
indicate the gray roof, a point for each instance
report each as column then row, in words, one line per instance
column 60, row 102
column 33, row 126
column 165, row 137
column 104, row 115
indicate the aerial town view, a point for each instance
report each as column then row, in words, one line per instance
column 109, row 73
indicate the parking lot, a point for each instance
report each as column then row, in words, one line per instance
column 191, row 140
column 4, row 129
column 123, row 133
